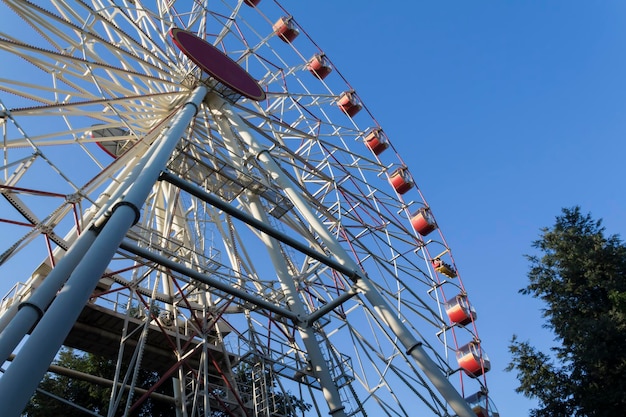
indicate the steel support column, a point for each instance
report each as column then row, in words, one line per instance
column 316, row 357
column 381, row 306
column 33, row 359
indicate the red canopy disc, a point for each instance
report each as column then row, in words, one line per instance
column 215, row 63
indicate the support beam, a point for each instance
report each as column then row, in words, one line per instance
column 33, row 309
column 23, row 375
column 327, row 308
column 103, row 382
column 319, row 363
column 205, row 279
column 384, row 310
column 352, row 273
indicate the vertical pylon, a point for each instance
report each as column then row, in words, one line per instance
column 22, row 377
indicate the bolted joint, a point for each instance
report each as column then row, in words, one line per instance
column 336, row 410
column 194, row 105
column 132, row 206
column 35, row 307
column 416, row 345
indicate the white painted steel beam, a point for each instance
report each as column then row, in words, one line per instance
column 33, row 359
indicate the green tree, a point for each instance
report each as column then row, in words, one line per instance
column 76, row 391
column 96, row 397
column 87, row 395
column 581, row 277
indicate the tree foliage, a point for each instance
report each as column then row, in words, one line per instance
column 79, row 392
column 87, row 395
column 581, row 277
column 96, row 398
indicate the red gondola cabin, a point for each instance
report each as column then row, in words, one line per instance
column 349, row 103
column 423, row 221
column 376, row 141
column 459, row 310
column 319, row 66
column 286, row 29
column 472, row 359
column 252, row 3
column 401, row 180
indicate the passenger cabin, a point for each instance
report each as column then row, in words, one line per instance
column 286, row 29
column 472, row 359
column 112, row 146
column 423, row 221
column 443, row 268
column 319, row 66
column 349, row 103
column 459, row 310
column 376, row 141
column 252, row 3
column 481, row 406
column 401, row 180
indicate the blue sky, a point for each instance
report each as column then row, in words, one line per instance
column 506, row 111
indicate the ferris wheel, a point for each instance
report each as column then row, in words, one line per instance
column 191, row 188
